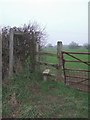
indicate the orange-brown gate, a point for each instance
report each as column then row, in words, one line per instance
column 75, row 74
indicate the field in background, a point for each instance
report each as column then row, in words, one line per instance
column 73, row 65
column 74, row 75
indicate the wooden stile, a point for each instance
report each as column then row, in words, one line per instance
column 45, row 74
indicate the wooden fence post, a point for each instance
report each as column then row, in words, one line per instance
column 0, row 75
column 37, row 52
column 59, row 57
column 11, row 53
column 37, row 56
column 0, row 57
column 32, row 52
column 88, row 36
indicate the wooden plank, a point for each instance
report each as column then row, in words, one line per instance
column 77, row 77
column 76, row 61
column 59, row 57
column 48, row 64
column 18, row 33
column 0, row 74
column 46, row 71
column 11, row 53
column 37, row 55
column 0, row 57
column 47, row 53
column 52, row 75
column 75, row 82
column 37, row 51
column 76, row 58
column 76, row 70
column 89, row 25
column 45, row 74
column 83, row 53
column 32, row 52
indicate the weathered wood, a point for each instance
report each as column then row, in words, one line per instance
column 0, row 58
column 47, row 53
column 45, row 74
column 46, row 71
column 76, row 58
column 52, row 75
column 89, row 40
column 11, row 53
column 0, row 75
column 48, row 64
column 32, row 52
column 19, row 33
column 37, row 51
column 37, row 56
column 59, row 57
column 84, row 53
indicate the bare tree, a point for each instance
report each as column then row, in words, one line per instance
column 73, row 45
column 87, row 46
column 22, row 44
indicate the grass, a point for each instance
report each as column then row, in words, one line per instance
column 38, row 99
column 26, row 95
column 73, row 65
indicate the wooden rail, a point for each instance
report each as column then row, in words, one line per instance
column 77, row 70
column 69, row 54
column 58, row 55
column 19, row 33
column 46, row 53
column 77, row 77
column 48, row 64
column 76, row 61
column 81, row 82
column 83, row 53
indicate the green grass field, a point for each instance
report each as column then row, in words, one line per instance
column 71, row 65
column 35, row 98
column 38, row 99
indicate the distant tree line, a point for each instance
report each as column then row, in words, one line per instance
column 72, row 45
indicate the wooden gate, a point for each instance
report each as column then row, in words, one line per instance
column 77, row 74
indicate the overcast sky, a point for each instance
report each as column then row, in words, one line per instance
column 65, row 20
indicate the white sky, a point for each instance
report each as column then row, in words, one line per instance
column 65, row 20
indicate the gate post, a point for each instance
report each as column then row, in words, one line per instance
column 59, row 57
column 11, row 53
column 37, row 52
column 0, row 57
column 1, row 74
column 32, row 52
column 37, row 56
